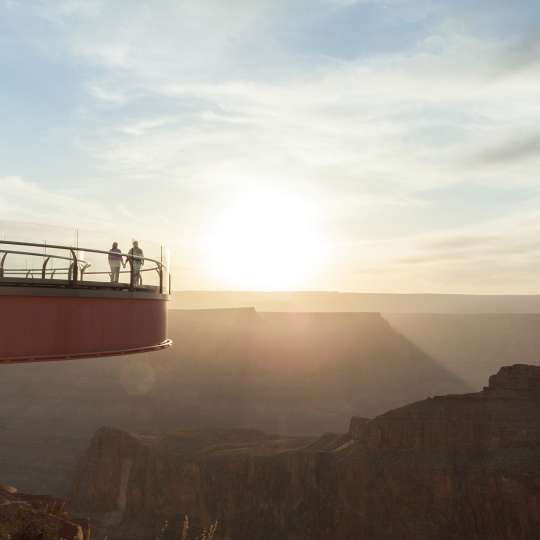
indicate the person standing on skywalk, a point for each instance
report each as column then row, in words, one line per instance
column 136, row 260
column 115, row 260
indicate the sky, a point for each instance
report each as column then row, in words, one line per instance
column 354, row 145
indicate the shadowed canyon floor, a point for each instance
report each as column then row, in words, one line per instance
column 455, row 467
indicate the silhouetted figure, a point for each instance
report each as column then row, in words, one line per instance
column 136, row 259
column 115, row 260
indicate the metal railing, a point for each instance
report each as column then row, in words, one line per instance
column 77, row 267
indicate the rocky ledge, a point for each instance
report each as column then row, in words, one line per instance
column 453, row 467
column 36, row 517
column 504, row 415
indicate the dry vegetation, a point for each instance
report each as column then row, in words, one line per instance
column 209, row 533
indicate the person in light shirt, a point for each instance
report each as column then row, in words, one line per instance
column 115, row 260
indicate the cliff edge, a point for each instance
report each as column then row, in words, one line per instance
column 36, row 517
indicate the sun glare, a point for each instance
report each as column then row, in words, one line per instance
column 267, row 242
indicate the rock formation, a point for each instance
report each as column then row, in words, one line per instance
column 36, row 517
column 456, row 467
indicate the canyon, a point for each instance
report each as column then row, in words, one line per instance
column 447, row 467
column 277, row 372
column 244, row 423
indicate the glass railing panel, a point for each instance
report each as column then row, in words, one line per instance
column 24, row 257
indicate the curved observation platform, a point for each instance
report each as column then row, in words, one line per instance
column 65, row 304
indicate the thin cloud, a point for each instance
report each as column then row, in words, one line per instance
column 194, row 103
column 516, row 150
column 26, row 201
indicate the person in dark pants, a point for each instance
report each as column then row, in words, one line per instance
column 136, row 259
column 115, row 260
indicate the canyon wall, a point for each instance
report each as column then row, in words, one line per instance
column 455, row 467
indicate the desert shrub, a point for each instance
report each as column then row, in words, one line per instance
column 210, row 533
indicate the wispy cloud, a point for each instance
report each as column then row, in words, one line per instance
column 187, row 107
column 518, row 149
column 26, row 201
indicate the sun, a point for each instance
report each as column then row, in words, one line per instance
column 267, row 242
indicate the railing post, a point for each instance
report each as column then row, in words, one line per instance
column 2, row 264
column 161, row 270
column 44, row 268
column 74, row 268
column 83, row 270
column 131, row 274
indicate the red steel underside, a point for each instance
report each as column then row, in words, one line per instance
column 46, row 325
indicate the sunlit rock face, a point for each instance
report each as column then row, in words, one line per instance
column 36, row 517
column 455, row 467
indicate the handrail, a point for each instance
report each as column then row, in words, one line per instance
column 121, row 272
column 12, row 252
column 78, row 266
column 85, row 250
column 38, row 270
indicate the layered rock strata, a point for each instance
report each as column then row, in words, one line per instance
column 457, row 467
